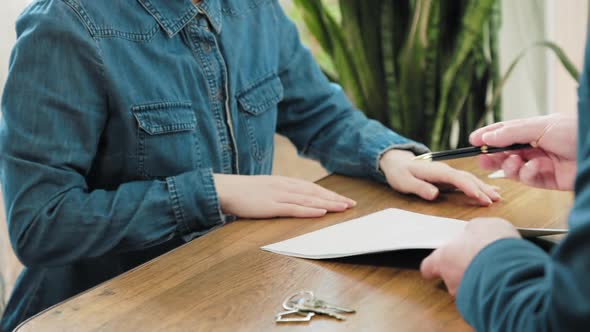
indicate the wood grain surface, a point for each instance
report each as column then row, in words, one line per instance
column 224, row 282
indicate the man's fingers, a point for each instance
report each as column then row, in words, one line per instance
column 430, row 266
column 512, row 166
column 494, row 161
column 519, row 131
column 476, row 137
column 538, row 173
column 313, row 202
column 491, row 162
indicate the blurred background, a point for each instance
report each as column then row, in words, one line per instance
column 538, row 85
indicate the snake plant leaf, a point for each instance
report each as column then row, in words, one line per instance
column 394, row 23
column 494, row 59
column 476, row 13
column 331, row 38
column 431, row 66
column 356, row 39
column 413, row 66
column 314, row 17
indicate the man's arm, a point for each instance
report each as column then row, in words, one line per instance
column 512, row 285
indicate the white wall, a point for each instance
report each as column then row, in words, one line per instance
column 9, row 265
column 522, row 24
column 9, row 10
column 540, row 85
column 568, row 27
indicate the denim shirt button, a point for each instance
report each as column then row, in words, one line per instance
column 219, row 95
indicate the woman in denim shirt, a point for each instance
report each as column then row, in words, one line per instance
column 131, row 127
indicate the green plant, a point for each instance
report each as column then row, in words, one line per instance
column 420, row 67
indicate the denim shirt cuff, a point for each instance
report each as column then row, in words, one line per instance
column 195, row 203
column 380, row 144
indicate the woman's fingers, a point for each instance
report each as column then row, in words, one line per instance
column 297, row 211
column 313, row 201
column 311, row 189
column 442, row 173
column 409, row 184
column 275, row 196
column 490, row 191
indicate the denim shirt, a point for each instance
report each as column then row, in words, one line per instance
column 116, row 114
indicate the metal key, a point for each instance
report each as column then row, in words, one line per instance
column 323, row 304
column 305, row 302
column 309, row 307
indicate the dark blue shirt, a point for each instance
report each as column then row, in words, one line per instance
column 117, row 113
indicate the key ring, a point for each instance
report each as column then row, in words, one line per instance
column 301, row 296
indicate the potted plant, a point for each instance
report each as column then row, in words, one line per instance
column 424, row 68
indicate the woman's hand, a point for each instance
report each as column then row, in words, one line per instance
column 550, row 165
column 420, row 177
column 264, row 196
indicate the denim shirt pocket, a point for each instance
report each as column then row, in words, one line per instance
column 258, row 106
column 167, row 143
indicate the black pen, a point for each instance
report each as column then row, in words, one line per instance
column 469, row 152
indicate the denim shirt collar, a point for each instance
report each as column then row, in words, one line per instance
column 173, row 15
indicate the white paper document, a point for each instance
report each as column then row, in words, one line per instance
column 386, row 230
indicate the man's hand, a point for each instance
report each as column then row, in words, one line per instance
column 550, row 165
column 451, row 261
column 420, row 177
column 276, row 196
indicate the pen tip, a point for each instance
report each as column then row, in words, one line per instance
column 423, row 157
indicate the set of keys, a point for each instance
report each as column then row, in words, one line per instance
column 303, row 305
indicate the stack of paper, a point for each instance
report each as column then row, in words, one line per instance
column 386, row 230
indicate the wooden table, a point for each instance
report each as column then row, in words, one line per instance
column 224, row 282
